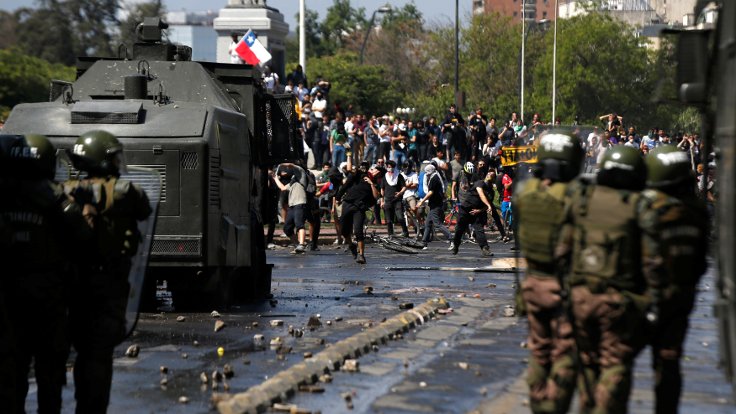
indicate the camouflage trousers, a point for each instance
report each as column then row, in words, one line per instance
column 610, row 328
column 667, row 341
column 551, row 373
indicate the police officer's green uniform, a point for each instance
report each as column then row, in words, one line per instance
column 39, row 225
column 602, row 242
column 539, row 208
column 678, row 242
column 97, row 310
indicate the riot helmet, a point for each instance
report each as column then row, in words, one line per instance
column 98, row 153
column 469, row 168
column 667, row 166
column 560, row 157
column 28, row 156
column 622, row 168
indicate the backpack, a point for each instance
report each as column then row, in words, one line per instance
column 311, row 187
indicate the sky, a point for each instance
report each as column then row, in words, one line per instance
column 434, row 11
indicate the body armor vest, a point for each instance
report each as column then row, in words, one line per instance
column 115, row 226
column 606, row 240
column 541, row 210
column 32, row 219
column 682, row 230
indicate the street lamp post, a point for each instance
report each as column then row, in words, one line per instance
column 457, row 57
column 383, row 9
column 302, row 37
column 554, row 66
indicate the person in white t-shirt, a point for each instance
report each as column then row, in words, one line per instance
column 410, row 195
column 270, row 80
column 234, row 57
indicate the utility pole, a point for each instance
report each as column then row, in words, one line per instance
column 554, row 67
column 302, row 37
column 523, row 43
column 457, row 56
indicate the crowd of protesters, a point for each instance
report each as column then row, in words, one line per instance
column 415, row 171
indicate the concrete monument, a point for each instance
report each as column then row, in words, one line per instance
column 267, row 23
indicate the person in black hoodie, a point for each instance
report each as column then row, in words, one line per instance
column 358, row 194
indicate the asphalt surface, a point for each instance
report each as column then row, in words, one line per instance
column 469, row 359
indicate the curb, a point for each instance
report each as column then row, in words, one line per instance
column 281, row 386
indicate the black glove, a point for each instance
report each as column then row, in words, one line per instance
column 83, row 195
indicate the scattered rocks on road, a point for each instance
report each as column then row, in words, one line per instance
column 132, row 351
column 181, row 318
column 203, row 378
column 227, row 370
column 275, row 323
column 406, row 305
column 219, row 324
column 215, row 314
column 351, row 365
column 509, row 311
column 163, row 369
column 183, row 399
column 259, row 341
column 463, row 365
column 314, row 322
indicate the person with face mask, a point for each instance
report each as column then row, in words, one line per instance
column 393, row 186
column 358, row 194
column 434, row 195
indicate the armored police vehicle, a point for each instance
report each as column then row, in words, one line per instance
column 705, row 78
column 209, row 129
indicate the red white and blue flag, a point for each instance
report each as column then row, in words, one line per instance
column 251, row 50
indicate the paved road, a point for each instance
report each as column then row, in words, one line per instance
column 468, row 360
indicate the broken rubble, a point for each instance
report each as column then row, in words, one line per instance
column 351, row 365
column 132, row 351
column 181, row 318
column 219, row 324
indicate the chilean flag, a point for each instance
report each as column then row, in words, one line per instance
column 251, row 50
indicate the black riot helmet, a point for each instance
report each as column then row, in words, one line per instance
column 99, row 153
column 560, row 157
column 623, row 168
column 668, row 167
column 27, row 156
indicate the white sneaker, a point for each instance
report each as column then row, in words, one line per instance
column 271, row 246
column 452, row 246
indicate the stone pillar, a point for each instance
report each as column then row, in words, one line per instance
column 267, row 23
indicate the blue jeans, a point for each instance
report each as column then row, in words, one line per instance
column 399, row 157
column 370, row 153
column 338, row 155
column 506, row 213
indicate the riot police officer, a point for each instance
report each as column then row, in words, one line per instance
column 540, row 207
column 601, row 245
column 473, row 209
column 97, row 310
column 678, row 239
column 37, row 222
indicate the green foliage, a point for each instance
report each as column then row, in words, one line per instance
column 366, row 87
column 25, row 78
column 340, row 24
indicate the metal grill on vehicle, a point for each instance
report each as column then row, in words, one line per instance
column 146, row 182
column 189, row 160
column 176, row 246
column 106, row 113
column 214, row 178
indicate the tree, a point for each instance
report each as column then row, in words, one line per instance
column 25, row 78
column 46, row 33
column 8, row 29
column 366, row 87
column 92, row 20
column 340, row 24
column 602, row 67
